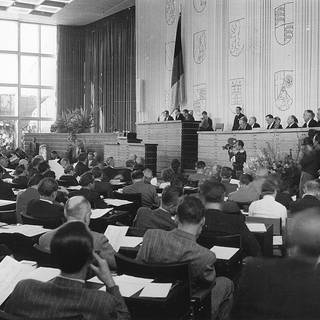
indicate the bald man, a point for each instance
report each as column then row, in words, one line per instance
column 286, row 288
column 78, row 208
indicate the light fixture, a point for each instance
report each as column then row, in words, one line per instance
column 6, row 3
column 19, row 10
column 48, row 9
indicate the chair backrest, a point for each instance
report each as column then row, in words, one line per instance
column 43, row 259
column 46, row 223
column 219, row 127
column 134, row 197
column 209, row 239
column 275, row 222
column 8, row 216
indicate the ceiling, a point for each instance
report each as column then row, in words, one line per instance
column 76, row 13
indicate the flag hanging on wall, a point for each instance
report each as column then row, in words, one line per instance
column 177, row 79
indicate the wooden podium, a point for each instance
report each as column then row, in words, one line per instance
column 175, row 140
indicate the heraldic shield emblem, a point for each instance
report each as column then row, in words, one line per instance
column 284, row 23
column 283, row 89
column 199, row 46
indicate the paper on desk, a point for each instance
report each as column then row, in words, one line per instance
column 129, row 285
column 98, row 213
column 56, row 168
column 130, row 242
column 7, row 180
column 25, row 229
column 277, row 241
column 43, row 274
column 224, row 253
column 6, row 202
column 116, row 202
column 115, row 234
column 74, row 187
column 156, row 290
column 256, row 227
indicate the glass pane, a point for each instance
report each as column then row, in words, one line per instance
column 8, row 68
column 8, row 35
column 46, row 125
column 8, row 134
column 29, row 103
column 8, row 101
column 48, row 72
column 48, row 104
column 48, row 39
column 29, row 37
column 27, row 126
column 29, row 70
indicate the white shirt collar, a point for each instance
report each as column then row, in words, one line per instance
column 72, row 279
column 45, row 200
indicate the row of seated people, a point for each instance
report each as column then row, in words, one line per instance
column 275, row 288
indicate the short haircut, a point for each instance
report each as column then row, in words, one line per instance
column 96, row 172
column 76, row 207
column 190, row 210
column 71, row 247
column 204, row 113
column 170, row 194
column 270, row 116
column 43, row 166
column 238, row 107
column 69, row 169
column 212, row 191
column 35, row 161
column 166, row 111
column 310, row 112
column 34, row 180
column 137, row 174
column 130, row 163
column 54, row 152
column 85, row 179
column 65, row 160
column 175, row 164
column 19, row 169
column 226, row 173
column 47, row 187
column 185, row 110
column 245, row 179
column 82, row 157
column 254, row 118
column 295, row 119
column 244, row 118
column 240, row 143
column 270, row 186
column 312, row 187
column 200, row 164
column 277, row 118
column 147, row 173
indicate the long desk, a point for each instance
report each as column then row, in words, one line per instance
column 283, row 141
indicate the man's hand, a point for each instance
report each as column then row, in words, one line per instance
column 102, row 271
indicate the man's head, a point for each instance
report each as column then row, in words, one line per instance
column 312, row 188
column 245, row 179
column 48, row 188
column 292, row 119
column 303, row 234
column 54, row 155
column 212, row 192
column 86, row 180
column 269, row 119
column 65, row 163
column 69, row 170
column 170, row 198
column 252, row 121
column 78, row 208
column 269, row 187
column 226, row 173
column 36, row 161
column 71, row 248
column 147, row 175
column 190, row 215
column 238, row 110
column 200, row 166
column 34, row 180
column 137, row 176
column 83, row 158
column 175, row 165
column 167, row 175
column 177, row 111
column 185, row 112
column 205, row 115
column 308, row 115
column 277, row 120
column 20, row 170
column 240, row 145
column 243, row 121
column 166, row 113
column 43, row 167
column 96, row 172
column 90, row 156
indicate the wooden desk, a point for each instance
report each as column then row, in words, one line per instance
column 282, row 141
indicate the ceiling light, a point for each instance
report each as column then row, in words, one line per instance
column 19, row 10
column 6, row 3
column 34, row 2
column 48, row 9
column 41, row 13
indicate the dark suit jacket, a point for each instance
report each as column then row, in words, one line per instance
column 104, row 189
column 310, row 163
column 236, row 121
column 248, row 127
column 68, row 180
column 256, row 125
column 271, row 126
column 109, row 173
column 6, row 192
column 313, row 123
column 284, row 288
column 169, row 118
column 80, row 168
column 44, row 210
column 180, row 117
column 293, row 126
column 92, row 196
column 154, row 219
column 225, row 223
column 306, row 202
column 62, row 298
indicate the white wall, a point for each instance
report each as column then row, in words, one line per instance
column 233, row 53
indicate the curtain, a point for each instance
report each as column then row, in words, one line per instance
column 108, row 71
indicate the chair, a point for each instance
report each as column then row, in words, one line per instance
column 43, row 258
column 244, row 206
column 219, row 127
column 8, row 216
column 46, row 223
column 178, row 303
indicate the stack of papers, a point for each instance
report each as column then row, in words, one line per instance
column 224, row 253
column 117, row 237
column 116, row 202
column 98, row 213
column 7, row 180
column 256, row 227
column 25, row 229
column 6, row 202
column 156, row 290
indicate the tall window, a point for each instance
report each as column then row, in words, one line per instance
column 27, row 79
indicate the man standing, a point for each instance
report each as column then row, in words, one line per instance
column 308, row 117
column 270, row 121
column 237, row 117
column 206, row 122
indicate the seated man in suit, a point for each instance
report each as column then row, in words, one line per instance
column 20, row 180
column 45, row 171
column 109, row 172
column 270, row 121
column 284, row 288
column 104, row 188
column 78, row 209
column 45, row 208
column 6, row 192
column 163, row 217
column 226, row 174
column 87, row 190
column 148, row 192
column 81, row 166
column 179, row 245
column 68, row 179
column 199, row 175
column 4, row 163
column 253, row 122
column 310, row 198
column 308, row 117
column 66, row 295
column 222, row 223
